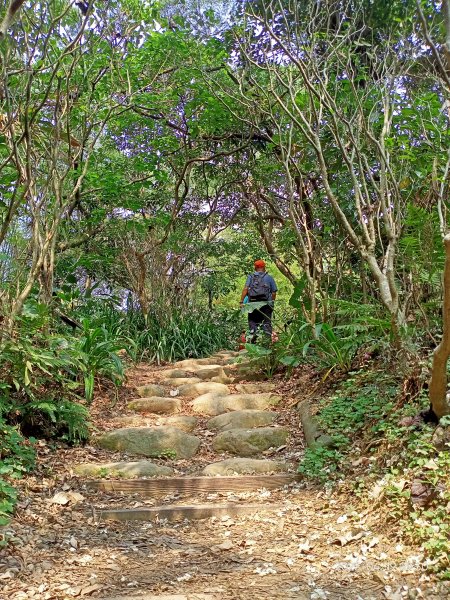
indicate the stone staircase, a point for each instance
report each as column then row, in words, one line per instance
column 197, row 408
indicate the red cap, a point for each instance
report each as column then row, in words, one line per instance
column 259, row 263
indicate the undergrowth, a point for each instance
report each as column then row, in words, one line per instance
column 17, row 456
column 386, row 455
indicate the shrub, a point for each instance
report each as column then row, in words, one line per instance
column 17, row 456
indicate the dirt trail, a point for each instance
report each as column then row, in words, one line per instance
column 297, row 542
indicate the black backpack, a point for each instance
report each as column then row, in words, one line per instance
column 259, row 288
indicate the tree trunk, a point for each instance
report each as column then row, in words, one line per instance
column 438, row 382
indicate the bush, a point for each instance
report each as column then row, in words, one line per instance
column 17, row 456
column 192, row 335
column 39, row 386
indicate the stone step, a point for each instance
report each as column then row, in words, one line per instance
column 242, row 419
column 178, row 512
column 176, row 382
column 209, row 372
column 151, row 389
column 183, row 422
column 213, row 405
column 249, row 467
column 205, row 387
column 173, row 373
column 141, row 468
column 250, row 442
column 150, row 441
column 156, row 405
column 193, row 485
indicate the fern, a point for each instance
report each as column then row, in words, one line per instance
column 76, row 418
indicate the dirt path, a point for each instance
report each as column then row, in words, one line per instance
column 296, row 542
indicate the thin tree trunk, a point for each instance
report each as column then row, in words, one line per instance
column 438, row 382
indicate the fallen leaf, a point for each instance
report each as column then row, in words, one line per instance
column 349, row 536
column 226, row 545
column 304, row 547
column 421, row 494
column 378, row 576
column 90, row 589
column 60, row 498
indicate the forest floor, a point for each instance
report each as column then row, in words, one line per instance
column 305, row 542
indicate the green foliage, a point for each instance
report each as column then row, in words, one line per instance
column 263, row 355
column 322, row 346
column 329, row 349
column 362, row 399
column 195, row 334
column 17, row 456
column 39, row 386
column 42, row 371
column 425, row 525
column 363, row 402
column 320, row 464
column 98, row 348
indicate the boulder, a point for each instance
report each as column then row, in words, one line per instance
column 150, row 441
column 239, row 368
column 221, row 379
column 255, row 388
column 243, row 371
column 208, row 373
column 149, row 390
column 134, row 421
column 248, row 442
column 244, row 466
column 212, row 404
column 156, row 405
column 142, row 468
column 183, row 422
column 242, row 419
column 177, row 382
column 191, row 364
column 194, row 389
column 173, row 373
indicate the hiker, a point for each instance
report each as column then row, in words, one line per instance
column 260, row 287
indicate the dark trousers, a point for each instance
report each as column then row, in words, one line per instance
column 260, row 319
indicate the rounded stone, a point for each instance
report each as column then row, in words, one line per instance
column 183, row 422
column 248, row 442
column 212, row 404
column 134, row 421
column 150, row 441
column 255, row 388
column 194, row 389
column 192, row 363
column 221, row 379
column 142, row 468
column 244, row 466
column 242, row 419
column 176, row 382
column 173, row 373
column 156, row 405
column 215, row 371
column 152, row 389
